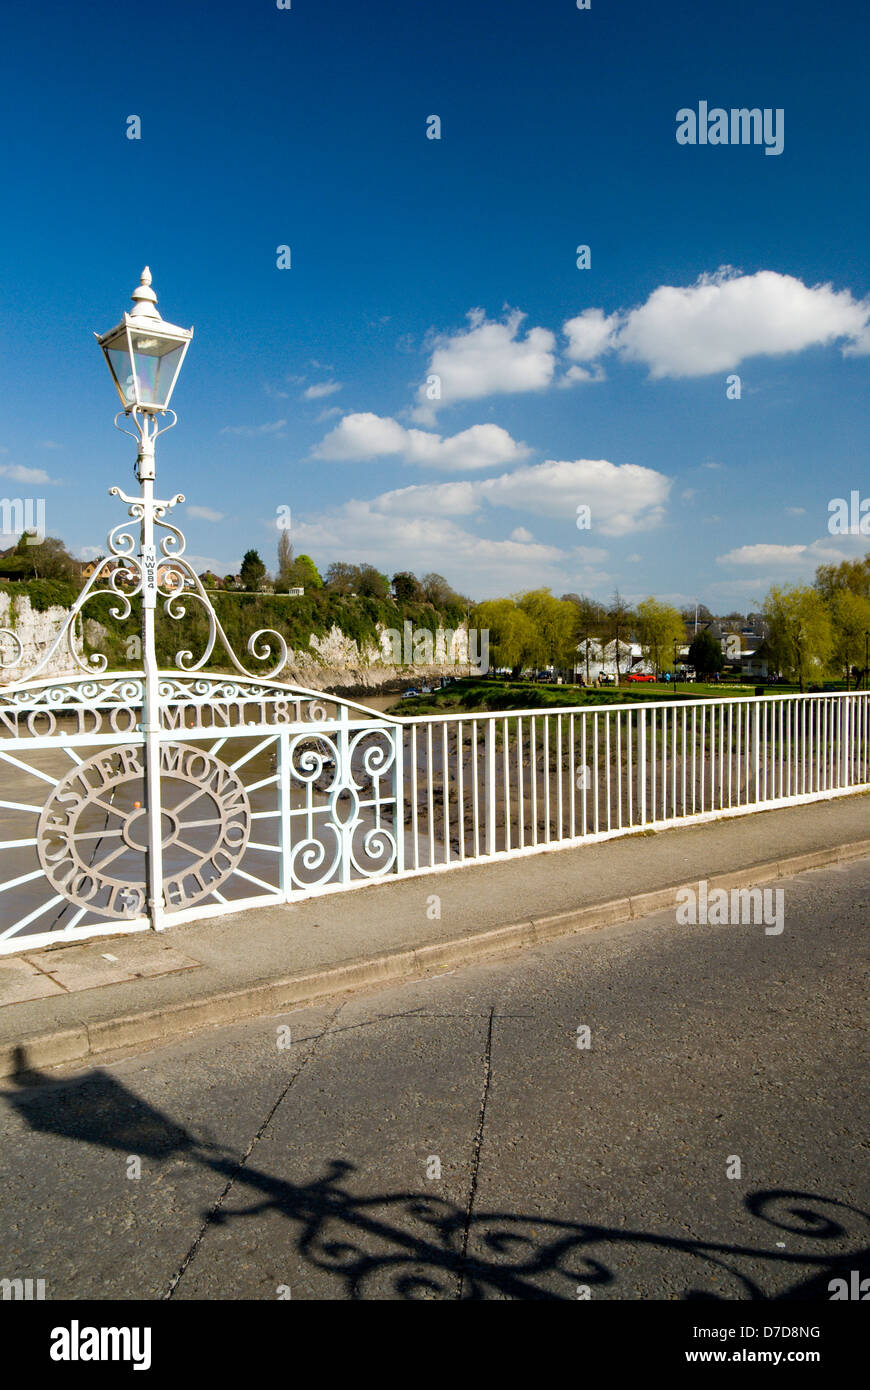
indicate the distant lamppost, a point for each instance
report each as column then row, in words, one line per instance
column 675, row 665
column 799, row 647
column 144, row 355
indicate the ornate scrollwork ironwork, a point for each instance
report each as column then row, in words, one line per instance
column 122, row 576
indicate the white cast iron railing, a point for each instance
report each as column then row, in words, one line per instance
column 268, row 793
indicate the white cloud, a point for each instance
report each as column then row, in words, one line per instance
column 489, row 358
column 17, row 473
column 205, row 513
column 724, row 318
column 367, row 436
column 581, row 374
column 622, row 497
column 827, row 550
column 320, row 389
column 778, row 555
column 427, row 499
column 272, row 427
column 590, row 334
column 718, row 322
column 420, row 528
column 860, row 345
column 795, row 511
column 372, row 531
column 362, row 436
column 688, row 493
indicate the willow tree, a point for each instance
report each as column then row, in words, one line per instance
column 659, row 627
column 800, row 632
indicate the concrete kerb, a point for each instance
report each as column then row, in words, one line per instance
column 153, row 1027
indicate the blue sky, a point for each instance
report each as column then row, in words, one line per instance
column 413, row 257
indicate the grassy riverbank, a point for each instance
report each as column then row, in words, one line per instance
column 476, row 694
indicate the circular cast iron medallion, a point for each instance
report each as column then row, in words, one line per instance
column 92, row 837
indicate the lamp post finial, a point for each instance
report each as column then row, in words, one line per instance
column 144, row 298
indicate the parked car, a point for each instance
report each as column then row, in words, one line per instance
column 409, row 694
column 639, row 676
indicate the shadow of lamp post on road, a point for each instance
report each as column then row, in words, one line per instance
column 425, row 1246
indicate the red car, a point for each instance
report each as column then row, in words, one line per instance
column 639, row 676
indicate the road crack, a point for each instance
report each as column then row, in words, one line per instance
column 475, row 1157
column 213, row 1211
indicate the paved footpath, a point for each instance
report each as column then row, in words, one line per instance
column 447, row 1138
column 87, row 1000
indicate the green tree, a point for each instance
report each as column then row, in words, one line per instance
column 589, row 622
column 370, row 583
column 285, row 561
column 853, row 575
column 304, row 574
column 553, row 623
column 705, row 654
column 407, row 587
column 253, row 571
column 659, row 627
column 341, row 578
column 512, row 635
column 618, row 620
column 438, row 592
column 850, row 623
column 800, row 634
column 45, row 559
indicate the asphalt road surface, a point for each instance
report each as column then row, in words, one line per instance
column 450, row 1139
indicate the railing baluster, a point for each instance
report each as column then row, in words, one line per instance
column 460, row 790
column 572, row 772
column 415, row 830
column 560, row 833
column 595, row 755
column 430, row 780
column 475, row 789
column 507, row 786
column 521, row 802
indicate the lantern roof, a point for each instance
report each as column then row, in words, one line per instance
column 145, row 314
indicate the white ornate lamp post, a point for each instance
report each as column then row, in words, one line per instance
column 144, row 355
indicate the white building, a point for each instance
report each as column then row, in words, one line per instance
column 602, row 660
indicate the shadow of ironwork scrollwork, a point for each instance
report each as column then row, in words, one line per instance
column 420, row 1245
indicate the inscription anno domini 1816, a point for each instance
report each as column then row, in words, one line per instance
column 180, row 714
